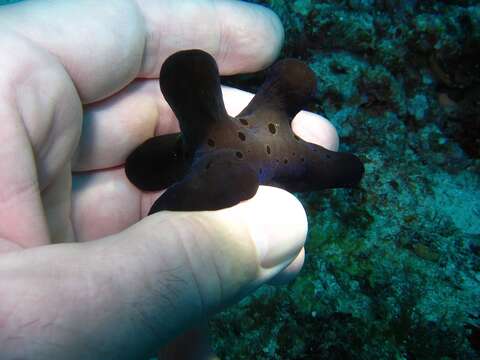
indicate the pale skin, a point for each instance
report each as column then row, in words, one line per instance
column 78, row 92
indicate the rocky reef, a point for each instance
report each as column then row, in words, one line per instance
column 393, row 268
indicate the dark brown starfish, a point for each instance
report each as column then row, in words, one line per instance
column 217, row 160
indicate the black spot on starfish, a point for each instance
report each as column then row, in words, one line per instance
column 217, row 160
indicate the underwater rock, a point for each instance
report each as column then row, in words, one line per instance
column 217, row 160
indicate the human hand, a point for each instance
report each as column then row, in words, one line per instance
column 136, row 286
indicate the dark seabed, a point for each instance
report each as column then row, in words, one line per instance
column 392, row 268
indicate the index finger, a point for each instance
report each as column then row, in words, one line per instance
column 104, row 45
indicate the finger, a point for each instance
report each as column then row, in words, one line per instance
column 105, row 45
column 170, row 270
column 114, row 127
column 56, row 200
column 40, row 113
column 316, row 129
column 291, row 271
column 121, row 204
column 221, row 256
column 242, row 37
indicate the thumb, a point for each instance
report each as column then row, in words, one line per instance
column 199, row 262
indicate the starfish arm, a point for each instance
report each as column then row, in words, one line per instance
column 213, row 183
column 327, row 169
column 190, row 83
column 157, row 163
column 290, row 84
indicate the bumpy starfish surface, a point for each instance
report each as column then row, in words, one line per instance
column 217, row 160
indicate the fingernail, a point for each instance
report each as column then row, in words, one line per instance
column 278, row 225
